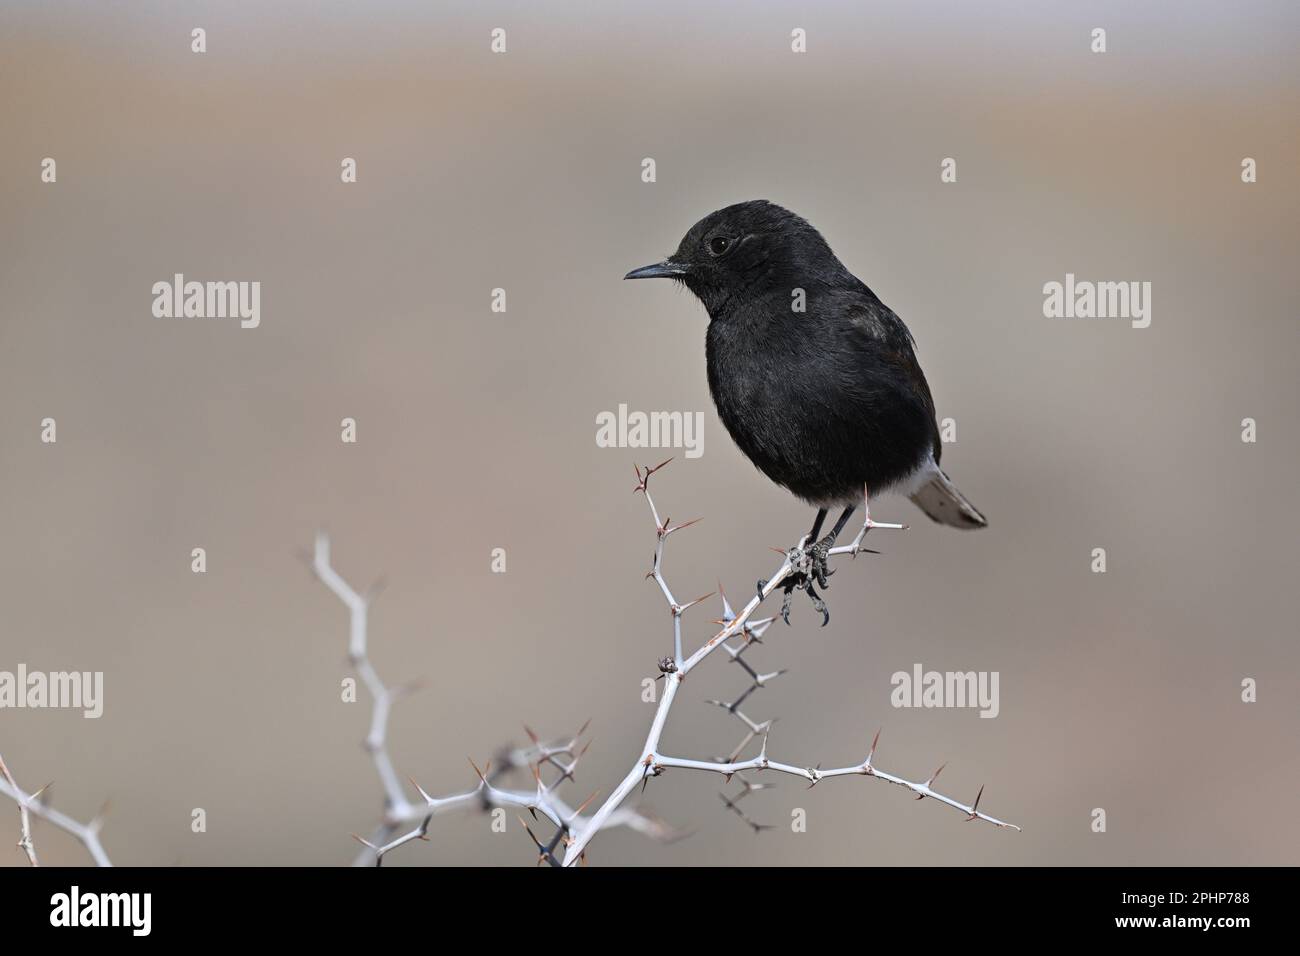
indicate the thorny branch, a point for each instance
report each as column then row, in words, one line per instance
column 406, row 819
column 740, row 627
column 36, row 805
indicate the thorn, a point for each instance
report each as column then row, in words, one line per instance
column 536, row 842
column 680, row 609
column 427, row 798
column 974, row 809
column 921, row 796
column 872, row 752
column 478, row 771
column 98, row 819
column 532, row 736
column 728, row 614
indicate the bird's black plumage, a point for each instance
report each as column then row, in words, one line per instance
column 813, row 376
column 826, row 401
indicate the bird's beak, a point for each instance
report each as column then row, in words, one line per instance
column 660, row 270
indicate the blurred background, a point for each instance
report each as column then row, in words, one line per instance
column 476, row 430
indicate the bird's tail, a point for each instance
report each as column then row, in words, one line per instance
column 940, row 499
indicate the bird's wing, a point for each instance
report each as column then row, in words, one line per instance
column 874, row 329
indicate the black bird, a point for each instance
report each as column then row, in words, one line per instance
column 813, row 376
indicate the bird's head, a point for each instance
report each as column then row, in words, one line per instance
column 745, row 251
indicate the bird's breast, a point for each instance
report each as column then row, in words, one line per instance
column 816, row 410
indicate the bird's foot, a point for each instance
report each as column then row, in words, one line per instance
column 808, row 572
column 809, row 563
column 817, row 556
column 802, row 584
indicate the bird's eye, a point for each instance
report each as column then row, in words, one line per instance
column 719, row 244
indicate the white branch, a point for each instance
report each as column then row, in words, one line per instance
column 815, row 775
column 651, row 762
column 30, row 805
column 406, row 819
column 400, row 811
column 573, row 830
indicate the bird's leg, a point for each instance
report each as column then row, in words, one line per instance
column 817, row 526
column 820, row 551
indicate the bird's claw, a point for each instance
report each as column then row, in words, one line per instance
column 808, row 568
column 818, row 604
